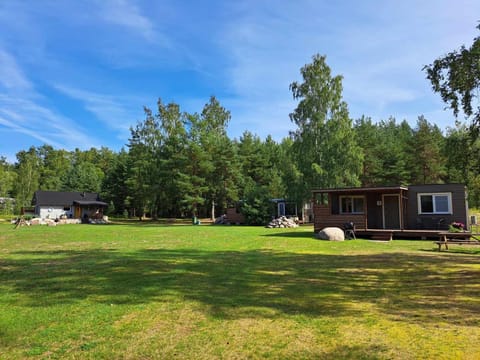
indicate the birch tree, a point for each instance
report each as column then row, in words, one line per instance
column 324, row 141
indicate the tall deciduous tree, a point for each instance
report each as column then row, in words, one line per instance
column 462, row 161
column 325, row 145
column 28, row 171
column 83, row 176
column 456, row 77
column 54, row 169
column 7, row 178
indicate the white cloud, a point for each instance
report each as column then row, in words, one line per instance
column 126, row 14
column 23, row 110
column 11, row 76
column 41, row 123
column 117, row 111
column 16, row 128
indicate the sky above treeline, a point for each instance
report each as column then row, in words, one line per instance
column 77, row 74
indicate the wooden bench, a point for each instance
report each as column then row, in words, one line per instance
column 460, row 238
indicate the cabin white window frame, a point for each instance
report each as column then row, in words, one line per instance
column 352, row 198
column 436, row 203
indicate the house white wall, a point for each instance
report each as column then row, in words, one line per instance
column 53, row 212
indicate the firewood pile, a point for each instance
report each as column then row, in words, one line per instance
column 283, row 222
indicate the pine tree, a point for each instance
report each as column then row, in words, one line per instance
column 429, row 164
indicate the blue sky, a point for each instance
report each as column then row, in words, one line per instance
column 76, row 74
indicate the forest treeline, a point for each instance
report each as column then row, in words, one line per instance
column 179, row 164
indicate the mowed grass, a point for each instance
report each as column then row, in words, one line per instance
column 136, row 291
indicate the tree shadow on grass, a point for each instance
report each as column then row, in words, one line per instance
column 355, row 352
column 236, row 284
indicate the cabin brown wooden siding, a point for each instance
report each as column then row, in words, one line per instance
column 410, row 219
column 323, row 218
column 234, row 216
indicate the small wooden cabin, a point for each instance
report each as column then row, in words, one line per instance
column 234, row 216
column 399, row 208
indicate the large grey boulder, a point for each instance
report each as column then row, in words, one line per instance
column 331, row 233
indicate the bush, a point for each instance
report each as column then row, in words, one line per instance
column 257, row 206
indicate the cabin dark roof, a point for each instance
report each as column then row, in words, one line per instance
column 362, row 189
column 65, row 198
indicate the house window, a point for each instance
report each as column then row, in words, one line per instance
column 321, row 198
column 351, row 204
column 440, row 203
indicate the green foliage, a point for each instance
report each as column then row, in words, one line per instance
column 428, row 143
column 83, row 176
column 28, row 175
column 7, row 206
column 264, row 166
column 369, row 137
column 396, row 154
column 55, row 167
column 180, row 162
column 114, row 187
column 111, row 208
column 257, row 206
column 289, row 173
column 223, row 177
column 8, row 177
column 456, row 77
column 462, row 165
column 324, row 141
column 457, row 151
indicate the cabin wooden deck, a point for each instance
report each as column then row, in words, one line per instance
column 390, row 234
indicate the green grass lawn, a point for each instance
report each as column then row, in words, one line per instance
column 137, row 291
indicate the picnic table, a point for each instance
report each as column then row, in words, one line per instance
column 456, row 238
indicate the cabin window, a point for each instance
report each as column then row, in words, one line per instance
column 321, row 198
column 440, row 203
column 351, row 204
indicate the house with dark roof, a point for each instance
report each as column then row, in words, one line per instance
column 68, row 204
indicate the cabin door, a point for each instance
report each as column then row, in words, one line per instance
column 391, row 211
column 281, row 209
